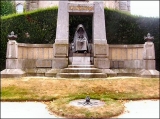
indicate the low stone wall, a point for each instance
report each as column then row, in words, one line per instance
column 35, row 51
column 126, row 56
column 37, row 59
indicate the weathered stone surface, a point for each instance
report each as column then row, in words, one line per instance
column 80, row 60
column 99, row 30
column 12, row 73
column 149, row 64
column 12, row 49
column 101, row 50
column 60, row 50
column 109, row 72
column 52, row 72
column 35, row 51
column 149, row 73
column 27, row 63
column 44, row 63
column 82, row 75
column 80, row 8
column 102, row 63
column 36, row 71
column 127, row 72
column 59, row 63
column 149, row 52
column 13, row 64
column 123, row 5
column 137, row 64
column 120, row 64
column 62, row 30
column 126, row 52
column 20, row 63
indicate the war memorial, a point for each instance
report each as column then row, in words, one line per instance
column 80, row 59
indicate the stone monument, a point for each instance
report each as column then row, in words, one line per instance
column 100, row 52
column 99, row 32
column 80, row 59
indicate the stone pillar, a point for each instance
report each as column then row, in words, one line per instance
column 149, row 59
column 12, row 63
column 12, row 49
column 149, row 56
column 99, row 38
column 60, row 59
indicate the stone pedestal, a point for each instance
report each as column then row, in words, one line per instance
column 102, row 63
column 149, row 61
column 149, row 52
column 59, row 63
column 101, row 54
column 149, row 56
column 13, row 65
column 12, row 49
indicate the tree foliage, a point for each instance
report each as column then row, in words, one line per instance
column 7, row 7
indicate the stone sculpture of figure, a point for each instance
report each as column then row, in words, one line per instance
column 80, row 40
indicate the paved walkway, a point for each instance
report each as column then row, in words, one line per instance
column 134, row 109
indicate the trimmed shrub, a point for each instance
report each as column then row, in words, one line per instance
column 121, row 28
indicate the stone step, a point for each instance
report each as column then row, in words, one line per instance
column 81, row 70
column 80, row 66
column 82, row 75
column 81, row 54
column 78, row 60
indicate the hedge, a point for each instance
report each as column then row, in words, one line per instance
column 121, row 28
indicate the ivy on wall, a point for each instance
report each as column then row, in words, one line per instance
column 40, row 27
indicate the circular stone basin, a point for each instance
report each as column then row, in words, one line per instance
column 82, row 103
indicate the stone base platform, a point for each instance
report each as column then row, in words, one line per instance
column 12, row 73
column 80, row 59
column 137, row 72
column 81, row 71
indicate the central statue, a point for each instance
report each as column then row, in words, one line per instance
column 80, row 40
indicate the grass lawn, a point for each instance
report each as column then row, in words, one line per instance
column 59, row 92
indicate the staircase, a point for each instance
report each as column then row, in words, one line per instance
column 81, row 71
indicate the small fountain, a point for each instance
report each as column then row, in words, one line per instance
column 87, row 103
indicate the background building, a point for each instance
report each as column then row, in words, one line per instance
column 35, row 4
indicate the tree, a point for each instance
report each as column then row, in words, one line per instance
column 7, row 7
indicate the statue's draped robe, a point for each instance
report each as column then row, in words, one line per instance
column 80, row 39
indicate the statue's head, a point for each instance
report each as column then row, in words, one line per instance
column 80, row 28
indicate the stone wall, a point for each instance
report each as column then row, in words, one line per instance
column 126, row 56
column 37, row 59
column 126, row 52
column 35, row 51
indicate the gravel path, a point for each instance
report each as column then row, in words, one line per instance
column 134, row 109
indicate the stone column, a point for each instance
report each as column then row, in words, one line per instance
column 60, row 59
column 99, row 38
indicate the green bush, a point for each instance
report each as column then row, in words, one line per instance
column 121, row 28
